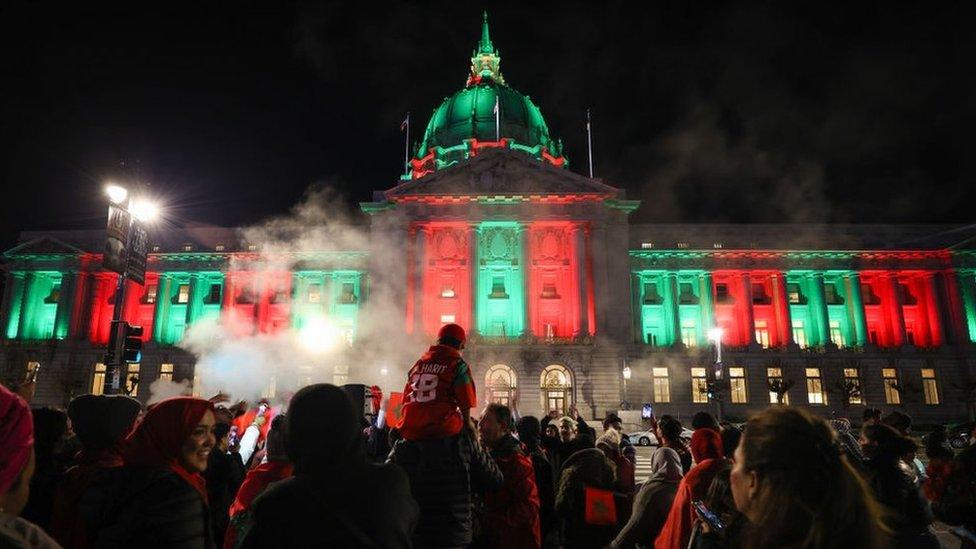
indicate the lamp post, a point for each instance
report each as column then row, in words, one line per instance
column 715, row 335
column 626, row 373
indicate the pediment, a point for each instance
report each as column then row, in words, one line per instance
column 501, row 172
column 43, row 246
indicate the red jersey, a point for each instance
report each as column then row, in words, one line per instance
column 438, row 388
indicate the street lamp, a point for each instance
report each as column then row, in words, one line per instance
column 715, row 335
column 626, row 373
column 144, row 210
column 116, row 194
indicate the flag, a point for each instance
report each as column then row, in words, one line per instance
column 600, row 508
column 394, row 411
column 406, row 123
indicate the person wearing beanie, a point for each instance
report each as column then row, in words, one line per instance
column 100, row 422
column 530, row 435
column 16, row 469
column 706, row 449
column 336, row 498
column 440, row 391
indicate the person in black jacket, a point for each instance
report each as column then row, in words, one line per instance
column 159, row 497
column 529, row 433
column 224, row 476
column 336, row 497
column 574, row 435
column 892, row 482
column 51, row 430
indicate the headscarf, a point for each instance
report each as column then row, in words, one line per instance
column 322, row 433
column 706, row 444
column 16, row 437
column 101, row 421
column 158, row 439
column 665, row 465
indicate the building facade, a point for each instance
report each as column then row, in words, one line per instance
column 560, row 291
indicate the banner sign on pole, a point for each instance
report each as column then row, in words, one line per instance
column 138, row 252
column 114, row 258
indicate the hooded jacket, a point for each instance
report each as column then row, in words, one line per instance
column 653, row 501
column 706, row 448
column 511, row 515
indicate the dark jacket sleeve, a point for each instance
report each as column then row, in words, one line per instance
column 398, row 507
column 484, row 471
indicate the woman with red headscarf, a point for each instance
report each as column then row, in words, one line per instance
column 706, row 449
column 16, row 469
column 159, row 498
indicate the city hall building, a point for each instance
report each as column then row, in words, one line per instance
column 561, row 294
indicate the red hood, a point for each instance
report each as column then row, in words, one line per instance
column 706, row 444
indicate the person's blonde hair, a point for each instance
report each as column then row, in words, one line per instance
column 566, row 420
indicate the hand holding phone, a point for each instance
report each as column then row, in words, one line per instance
column 708, row 517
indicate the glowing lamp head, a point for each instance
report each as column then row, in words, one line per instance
column 144, row 210
column 627, row 372
column 116, row 194
column 384, row 371
column 715, row 334
column 320, row 336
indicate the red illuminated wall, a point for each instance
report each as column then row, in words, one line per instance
column 733, row 314
column 257, row 302
column 102, row 291
column 769, row 305
column 446, row 268
column 554, row 296
column 920, row 308
column 881, row 308
column 135, row 311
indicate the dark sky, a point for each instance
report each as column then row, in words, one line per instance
column 781, row 111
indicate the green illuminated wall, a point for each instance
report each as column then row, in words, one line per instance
column 35, row 298
column 309, row 297
column 346, row 299
column 171, row 315
column 206, row 296
column 337, row 294
column 824, row 300
column 674, row 304
column 967, row 283
column 500, row 303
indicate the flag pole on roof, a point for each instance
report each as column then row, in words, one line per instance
column 405, row 126
column 497, row 133
column 589, row 142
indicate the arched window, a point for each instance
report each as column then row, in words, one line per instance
column 556, row 389
column 500, row 383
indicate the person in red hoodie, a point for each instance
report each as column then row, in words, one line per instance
column 511, row 515
column 706, row 449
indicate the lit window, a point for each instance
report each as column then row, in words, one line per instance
column 815, row 392
column 647, row 245
column 132, row 380
column 762, row 334
column 793, row 294
column 689, row 334
column 717, row 245
column 662, row 385
column 686, row 294
column 155, row 248
column 799, row 334
column 187, row 247
column 314, row 293
column 98, row 380
column 183, row 294
column 651, row 296
column 448, row 291
column 929, row 387
column 775, row 376
column 737, row 385
column 549, row 291
column 447, row 319
column 219, row 248
column 890, row 376
column 348, row 293
column 699, row 385
column 722, row 293
column 682, row 245
column 852, row 386
column 150, row 296
column 836, row 336
column 166, row 372
column 252, row 247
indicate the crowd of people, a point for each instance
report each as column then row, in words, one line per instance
column 108, row 473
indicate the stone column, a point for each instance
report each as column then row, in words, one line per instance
column 473, row 235
column 163, row 302
column 636, row 308
column 932, row 306
column 820, row 314
column 705, row 301
column 895, row 314
column 25, row 328
column 781, row 306
column 747, row 316
column 198, row 289
column 855, row 309
column 671, row 306
column 423, row 234
column 66, row 301
column 13, row 296
column 528, row 299
column 579, row 242
column 591, row 303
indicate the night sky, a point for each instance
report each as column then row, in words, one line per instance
column 782, row 112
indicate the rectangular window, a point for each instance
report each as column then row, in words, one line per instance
column 722, row 293
column 890, row 376
column 831, row 294
column 775, row 375
column 815, row 392
column 662, row 385
column 852, row 386
column 737, row 385
column 348, row 293
column 447, row 319
column 836, row 335
column 132, row 380
column 793, row 294
column 166, row 372
column 868, row 296
column 689, row 333
column 213, row 295
column 498, row 288
column 651, row 297
column 219, row 248
column 549, row 291
column 686, row 294
column 279, row 295
column 929, row 387
column 150, row 296
column 447, row 291
column 699, row 385
column 762, row 334
column 98, row 379
column 759, row 295
column 905, row 296
column 183, row 294
column 799, row 334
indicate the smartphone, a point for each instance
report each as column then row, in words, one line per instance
column 709, row 517
column 647, row 411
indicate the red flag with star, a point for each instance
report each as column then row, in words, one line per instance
column 601, row 510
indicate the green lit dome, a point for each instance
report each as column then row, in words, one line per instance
column 470, row 114
column 466, row 121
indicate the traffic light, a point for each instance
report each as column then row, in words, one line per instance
column 132, row 346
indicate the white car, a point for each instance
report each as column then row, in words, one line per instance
column 647, row 438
